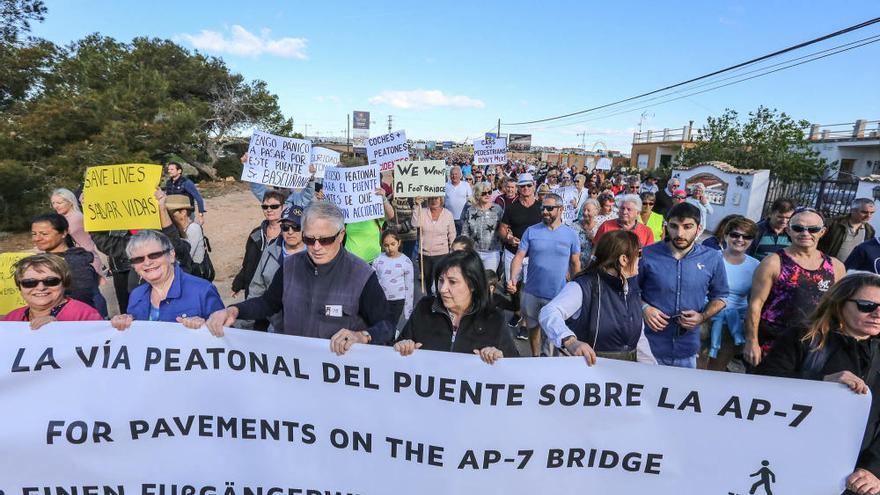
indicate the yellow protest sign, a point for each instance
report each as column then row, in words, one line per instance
column 121, row 197
column 10, row 297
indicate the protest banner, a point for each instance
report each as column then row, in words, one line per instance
column 353, row 190
column 490, row 151
column 10, row 296
column 323, row 158
column 386, row 149
column 121, row 197
column 275, row 414
column 570, row 200
column 277, row 161
column 603, row 164
column 425, row 178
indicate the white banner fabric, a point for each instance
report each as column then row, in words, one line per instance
column 159, row 405
column 490, row 151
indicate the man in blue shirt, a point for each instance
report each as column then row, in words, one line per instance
column 553, row 250
column 677, row 277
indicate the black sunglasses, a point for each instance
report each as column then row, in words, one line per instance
column 485, row 193
column 287, row 227
column 813, row 229
column 740, row 235
column 525, row 185
column 550, row 208
column 30, row 283
column 324, row 241
column 270, row 207
column 137, row 260
column 865, row 306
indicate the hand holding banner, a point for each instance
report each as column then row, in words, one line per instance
column 353, row 189
column 121, row 197
column 425, row 178
column 277, row 161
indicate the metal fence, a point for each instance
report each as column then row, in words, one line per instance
column 831, row 197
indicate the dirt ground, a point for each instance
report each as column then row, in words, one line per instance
column 232, row 212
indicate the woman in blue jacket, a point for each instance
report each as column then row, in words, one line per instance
column 168, row 293
column 599, row 312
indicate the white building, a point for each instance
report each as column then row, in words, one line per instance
column 854, row 146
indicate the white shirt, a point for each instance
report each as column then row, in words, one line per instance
column 457, row 197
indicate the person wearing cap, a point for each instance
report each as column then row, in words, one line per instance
column 180, row 184
column 649, row 185
column 520, row 215
column 543, row 190
column 288, row 243
column 179, row 208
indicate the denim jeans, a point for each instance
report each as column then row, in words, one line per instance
column 687, row 362
column 733, row 318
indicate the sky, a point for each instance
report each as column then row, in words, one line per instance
column 450, row 70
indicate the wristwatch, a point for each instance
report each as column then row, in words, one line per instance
column 367, row 335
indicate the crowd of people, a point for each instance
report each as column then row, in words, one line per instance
column 575, row 262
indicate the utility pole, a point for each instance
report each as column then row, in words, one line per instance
column 389, row 123
column 583, row 136
column 306, row 135
column 347, row 127
column 497, row 136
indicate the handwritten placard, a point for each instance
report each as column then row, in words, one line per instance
column 425, row 178
column 121, row 197
column 277, row 161
column 353, row 189
column 386, row 149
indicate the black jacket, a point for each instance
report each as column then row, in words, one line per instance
column 831, row 242
column 431, row 325
column 789, row 359
column 84, row 279
column 253, row 251
column 662, row 202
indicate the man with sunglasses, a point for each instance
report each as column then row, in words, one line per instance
column 683, row 284
column 325, row 292
column 553, row 250
column 788, row 284
column 846, row 232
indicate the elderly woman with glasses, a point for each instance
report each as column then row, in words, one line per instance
column 479, row 221
column 649, row 217
column 42, row 280
column 168, row 293
column 259, row 238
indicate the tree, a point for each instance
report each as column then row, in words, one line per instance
column 101, row 101
column 768, row 140
column 17, row 15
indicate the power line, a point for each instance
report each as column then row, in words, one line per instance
column 715, row 73
column 873, row 39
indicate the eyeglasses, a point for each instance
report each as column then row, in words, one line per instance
column 287, row 227
column 324, row 241
column 679, row 197
column 740, row 235
column 270, row 207
column 137, row 260
column 813, row 229
column 648, row 203
column 30, row 283
column 523, row 186
column 485, row 193
column 550, row 208
column 862, row 305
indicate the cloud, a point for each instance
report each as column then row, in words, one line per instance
column 327, row 99
column 421, row 98
column 244, row 43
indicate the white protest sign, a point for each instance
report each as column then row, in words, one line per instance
column 570, row 195
column 281, row 415
column 424, row 178
column 490, row 151
column 386, row 149
column 277, row 161
column 353, row 189
column 323, row 158
column 604, row 163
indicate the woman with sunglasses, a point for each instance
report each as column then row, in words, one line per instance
column 599, row 312
column 649, row 217
column 788, row 284
column 841, row 345
column 168, row 293
column 259, row 238
column 288, row 243
column 739, row 232
column 479, row 221
column 42, row 280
